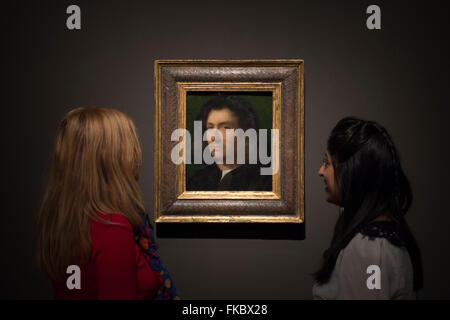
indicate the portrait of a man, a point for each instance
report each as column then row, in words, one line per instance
column 229, row 141
column 222, row 113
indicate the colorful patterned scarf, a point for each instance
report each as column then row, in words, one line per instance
column 145, row 239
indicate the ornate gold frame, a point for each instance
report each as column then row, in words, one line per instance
column 284, row 78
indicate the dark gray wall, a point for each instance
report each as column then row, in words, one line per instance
column 397, row 76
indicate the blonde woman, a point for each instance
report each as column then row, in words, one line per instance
column 91, row 213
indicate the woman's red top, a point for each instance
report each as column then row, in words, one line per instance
column 117, row 268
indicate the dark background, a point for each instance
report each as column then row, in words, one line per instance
column 396, row 75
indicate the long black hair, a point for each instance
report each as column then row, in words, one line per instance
column 371, row 183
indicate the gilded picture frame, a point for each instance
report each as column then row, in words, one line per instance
column 284, row 81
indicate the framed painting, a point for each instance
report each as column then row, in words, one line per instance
column 229, row 141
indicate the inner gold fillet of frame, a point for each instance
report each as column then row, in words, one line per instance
column 275, row 89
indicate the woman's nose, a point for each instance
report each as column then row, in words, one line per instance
column 320, row 172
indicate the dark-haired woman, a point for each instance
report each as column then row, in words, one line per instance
column 373, row 254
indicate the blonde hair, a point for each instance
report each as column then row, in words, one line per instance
column 95, row 166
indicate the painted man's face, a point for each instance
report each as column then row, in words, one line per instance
column 221, row 120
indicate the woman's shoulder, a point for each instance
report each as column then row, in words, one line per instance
column 388, row 230
column 110, row 222
column 371, row 248
column 112, row 232
column 377, row 254
column 378, row 242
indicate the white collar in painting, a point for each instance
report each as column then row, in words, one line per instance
column 224, row 172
